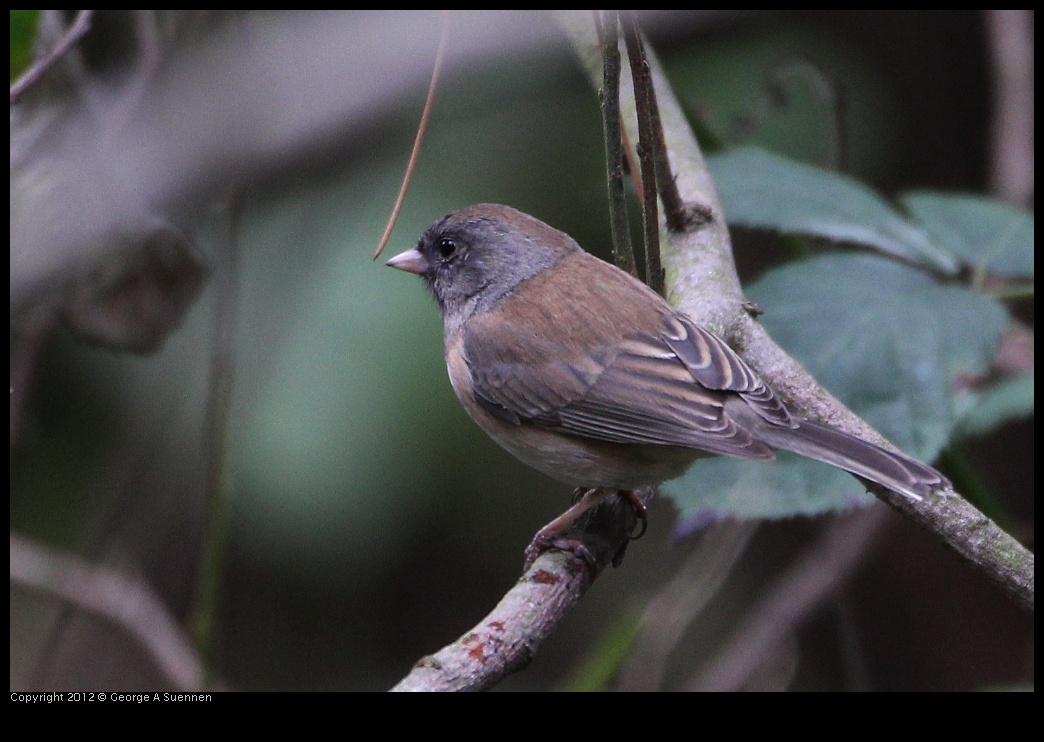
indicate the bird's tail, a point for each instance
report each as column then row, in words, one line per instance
column 892, row 470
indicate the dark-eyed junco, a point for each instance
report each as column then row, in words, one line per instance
column 583, row 372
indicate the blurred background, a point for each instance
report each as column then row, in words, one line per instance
column 369, row 522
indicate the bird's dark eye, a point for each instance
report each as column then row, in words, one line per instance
column 446, row 247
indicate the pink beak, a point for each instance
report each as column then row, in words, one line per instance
column 410, row 261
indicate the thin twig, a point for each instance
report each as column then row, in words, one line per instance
column 677, row 217
column 80, row 25
column 642, row 93
column 421, row 128
column 623, row 251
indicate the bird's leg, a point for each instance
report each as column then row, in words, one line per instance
column 547, row 537
column 583, row 499
column 639, row 511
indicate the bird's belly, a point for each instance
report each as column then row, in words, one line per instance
column 587, row 462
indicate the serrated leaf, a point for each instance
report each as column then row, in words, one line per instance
column 884, row 337
column 989, row 235
column 765, row 191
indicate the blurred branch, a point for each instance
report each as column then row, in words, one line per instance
column 205, row 606
column 796, row 593
column 671, row 611
column 82, row 176
column 80, row 26
column 708, row 246
column 1009, row 37
column 123, row 600
column 29, row 340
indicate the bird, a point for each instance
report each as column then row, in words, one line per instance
column 583, row 372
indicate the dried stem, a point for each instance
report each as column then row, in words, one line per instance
column 421, row 128
column 80, row 26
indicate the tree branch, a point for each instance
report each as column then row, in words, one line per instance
column 506, row 640
column 795, row 594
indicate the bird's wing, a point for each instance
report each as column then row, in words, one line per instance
column 717, row 366
column 667, row 387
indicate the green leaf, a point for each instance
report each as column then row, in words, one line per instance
column 23, row 31
column 778, row 87
column 765, row 191
column 989, row 235
column 888, row 340
column 791, row 485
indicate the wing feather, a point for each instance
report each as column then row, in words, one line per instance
column 640, row 390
